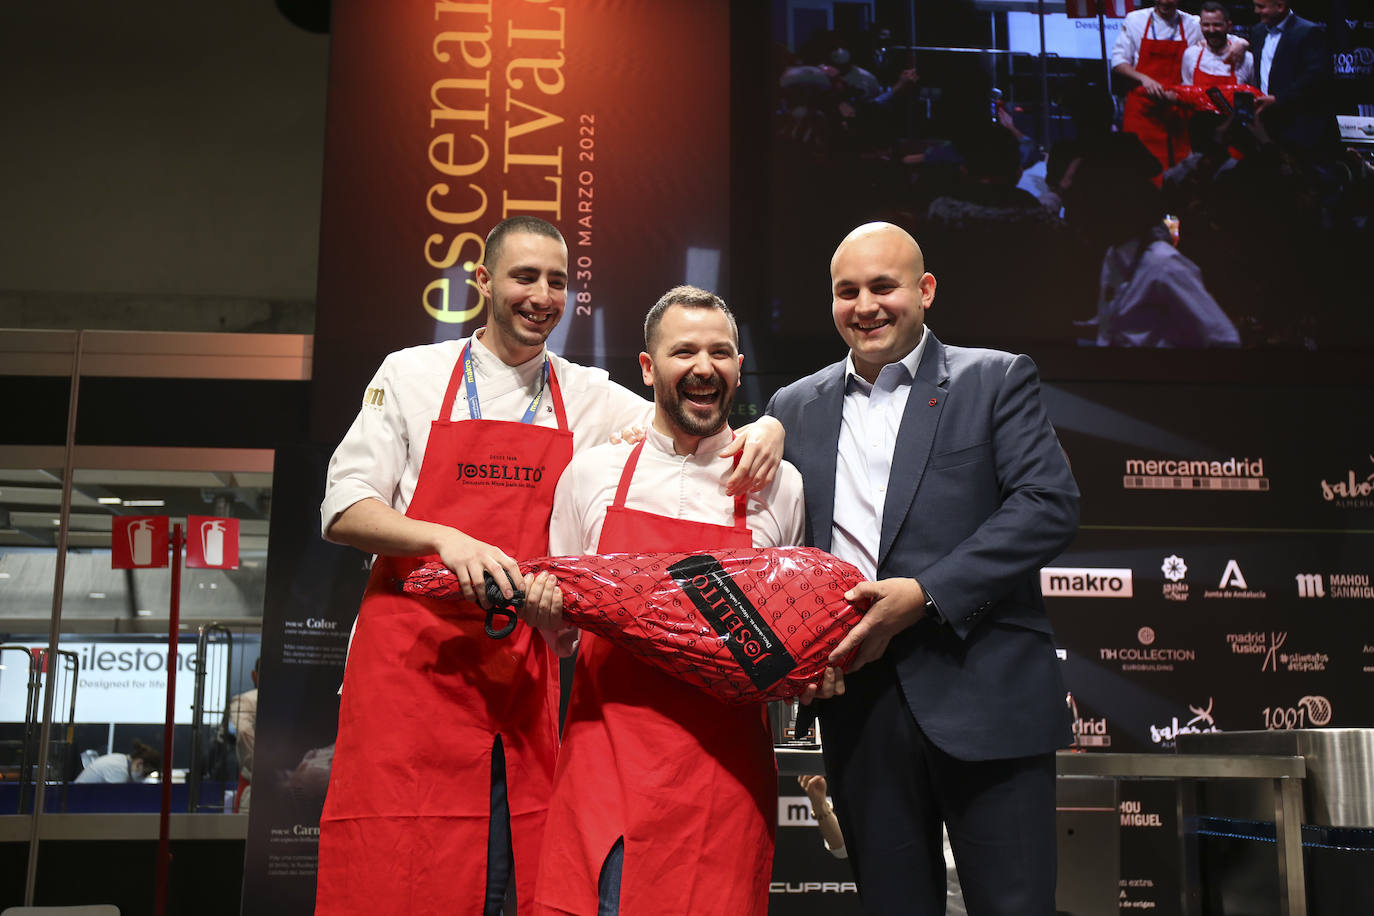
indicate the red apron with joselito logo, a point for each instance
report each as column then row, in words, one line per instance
column 426, row 692
column 689, row 782
column 1154, row 121
column 1202, row 80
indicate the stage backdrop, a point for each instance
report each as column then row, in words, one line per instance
column 609, row 119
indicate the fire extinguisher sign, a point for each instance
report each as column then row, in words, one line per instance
column 212, row 543
column 138, row 542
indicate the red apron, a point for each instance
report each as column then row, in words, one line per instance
column 1154, row 121
column 689, row 782
column 426, row 693
column 1203, row 79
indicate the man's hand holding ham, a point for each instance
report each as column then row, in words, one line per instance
column 469, row 557
column 893, row 605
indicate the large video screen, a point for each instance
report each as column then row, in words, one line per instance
column 1049, row 227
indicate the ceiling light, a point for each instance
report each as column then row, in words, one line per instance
column 109, row 500
column 139, row 503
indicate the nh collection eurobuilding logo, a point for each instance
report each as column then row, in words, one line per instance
column 1334, row 585
column 1233, row 474
column 1233, row 585
column 1352, row 491
column 1146, row 656
column 1174, row 569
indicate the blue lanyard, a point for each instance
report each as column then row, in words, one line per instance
column 470, row 387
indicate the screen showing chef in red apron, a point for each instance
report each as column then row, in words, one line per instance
column 1149, row 49
column 665, row 799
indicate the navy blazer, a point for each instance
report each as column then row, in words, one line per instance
column 980, row 496
column 1299, row 81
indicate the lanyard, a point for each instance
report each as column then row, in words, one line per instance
column 470, row 387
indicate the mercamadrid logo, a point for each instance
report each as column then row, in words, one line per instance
column 1204, row 474
column 1085, row 582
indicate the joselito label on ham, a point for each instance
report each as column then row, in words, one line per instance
column 752, row 642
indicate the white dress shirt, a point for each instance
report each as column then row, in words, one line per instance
column 690, row 487
column 1126, row 49
column 868, row 435
column 1271, row 44
column 381, row 454
column 1215, row 64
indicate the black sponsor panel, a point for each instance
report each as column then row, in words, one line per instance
column 1216, row 455
column 313, row 589
column 807, row 880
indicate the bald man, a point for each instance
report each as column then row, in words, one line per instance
column 935, row 470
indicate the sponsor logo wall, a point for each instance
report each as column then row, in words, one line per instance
column 1221, row 579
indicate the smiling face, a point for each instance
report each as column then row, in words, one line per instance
column 528, row 287
column 1166, row 8
column 1215, row 26
column 881, row 293
column 1271, row 12
column 695, row 369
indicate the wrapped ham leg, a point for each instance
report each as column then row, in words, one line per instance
column 745, row 626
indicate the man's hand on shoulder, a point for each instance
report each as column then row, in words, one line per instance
column 760, row 449
column 469, row 557
column 893, row 605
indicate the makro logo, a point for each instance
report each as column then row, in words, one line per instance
column 1182, row 474
column 1174, row 569
column 1309, row 711
column 1233, row 585
column 1341, row 585
column 1201, row 722
column 1084, row 582
column 1351, row 492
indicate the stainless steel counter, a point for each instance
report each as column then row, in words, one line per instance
column 1284, row 772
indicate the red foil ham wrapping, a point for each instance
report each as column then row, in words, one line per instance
column 746, row 626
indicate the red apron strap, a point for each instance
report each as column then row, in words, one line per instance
column 451, row 393
column 556, row 394
column 623, row 489
column 741, row 500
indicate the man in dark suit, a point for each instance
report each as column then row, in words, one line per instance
column 936, row 471
column 1293, row 68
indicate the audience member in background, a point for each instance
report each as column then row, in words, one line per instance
column 135, row 766
column 1149, row 294
column 994, row 242
column 243, row 719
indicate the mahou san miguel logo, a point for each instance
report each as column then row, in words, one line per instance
column 757, row 649
column 499, row 471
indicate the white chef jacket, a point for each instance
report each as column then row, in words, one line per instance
column 690, row 487
column 381, row 454
column 1126, row 49
column 1213, row 63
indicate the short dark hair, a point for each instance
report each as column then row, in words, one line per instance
column 1212, row 6
column 531, row 224
column 690, row 297
column 151, row 757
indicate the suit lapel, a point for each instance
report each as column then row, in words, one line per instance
column 821, row 425
column 915, row 437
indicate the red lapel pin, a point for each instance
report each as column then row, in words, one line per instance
column 932, row 402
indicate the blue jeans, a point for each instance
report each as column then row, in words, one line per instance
column 608, row 886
